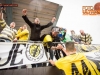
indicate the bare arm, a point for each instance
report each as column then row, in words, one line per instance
column 59, row 46
column 64, row 50
column 52, row 62
column 1, row 15
column 2, row 21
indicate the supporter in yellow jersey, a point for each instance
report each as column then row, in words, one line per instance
column 74, row 63
column 22, row 34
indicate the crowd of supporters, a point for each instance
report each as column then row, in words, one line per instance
column 57, row 35
column 9, row 33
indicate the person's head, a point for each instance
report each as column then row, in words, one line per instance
column 82, row 32
column 70, row 48
column 12, row 24
column 24, row 27
column 65, row 30
column 37, row 21
column 60, row 28
column 72, row 32
column 55, row 31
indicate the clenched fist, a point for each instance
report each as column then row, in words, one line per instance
column 53, row 19
column 21, row 28
column 59, row 46
column 24, row 11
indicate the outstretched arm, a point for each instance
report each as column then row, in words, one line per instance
column 52, row 62
column 2, row 21
column 24, row 12
column 59, row 46
column 1, row 15
column 49, row 24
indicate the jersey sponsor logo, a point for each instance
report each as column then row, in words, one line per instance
column 85, row 69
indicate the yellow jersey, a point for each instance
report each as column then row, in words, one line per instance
column 47, row 39
column 77, row 64
column 22, row 35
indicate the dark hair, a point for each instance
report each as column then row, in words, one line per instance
column 55, row 28
column 70, row 46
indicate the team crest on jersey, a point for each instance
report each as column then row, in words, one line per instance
column 34, row 52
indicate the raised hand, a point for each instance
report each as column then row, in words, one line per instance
column 53, row 19
column 21, row 28
column 15, row 40
column 24, row 11
column 1, row 14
